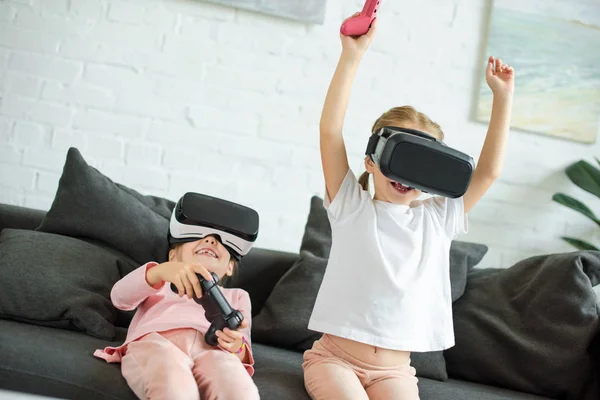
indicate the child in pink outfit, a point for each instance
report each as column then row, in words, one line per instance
column 165, row 355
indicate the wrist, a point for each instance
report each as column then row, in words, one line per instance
column 503, row 96
column 153, row 275
column 241, row 348
column 350, row 59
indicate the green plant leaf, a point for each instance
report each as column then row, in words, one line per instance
column 580, row 244
column 576, row 205
column 586, row 176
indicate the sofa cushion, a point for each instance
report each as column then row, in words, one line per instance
column 278, row 373
column 284, row 319
column 258, row 272
column 58, row 281
column 59, row 363
column 68, row 370
column 90, row 205
column 16, row 217
column 529, row 327
column 462, row 390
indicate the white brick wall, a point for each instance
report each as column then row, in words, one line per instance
column 169, row 96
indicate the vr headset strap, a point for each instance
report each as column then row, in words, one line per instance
column 372, row 145
column 387, row 132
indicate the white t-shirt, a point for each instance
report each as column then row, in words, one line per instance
column 387, row 281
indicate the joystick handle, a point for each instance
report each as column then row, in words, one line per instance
column 216, row 309
column 359, row 25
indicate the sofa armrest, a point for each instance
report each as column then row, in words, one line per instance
column 17, row 217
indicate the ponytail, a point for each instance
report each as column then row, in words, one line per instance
column 363, row 181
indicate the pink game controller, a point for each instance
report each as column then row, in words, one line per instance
column 360, row 24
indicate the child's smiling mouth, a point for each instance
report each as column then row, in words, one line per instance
column 400, row 188
column 206, row 252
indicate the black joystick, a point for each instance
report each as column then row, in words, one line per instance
column 216, row 308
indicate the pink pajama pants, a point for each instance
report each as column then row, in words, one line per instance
column 331, row 373
column 178, row 364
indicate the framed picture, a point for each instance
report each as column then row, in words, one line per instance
column 555, row 48
column 312, row 11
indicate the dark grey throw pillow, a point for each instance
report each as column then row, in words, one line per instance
column 529, row 327
column 464, row 256
column 283, row 321
column 58, row 281
column 90, row 205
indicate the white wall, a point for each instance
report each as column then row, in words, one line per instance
column 169, row 96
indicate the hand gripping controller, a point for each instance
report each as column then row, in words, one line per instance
column 216, row 309
column 359, row 25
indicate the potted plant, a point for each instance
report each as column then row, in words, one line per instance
column 587, row 177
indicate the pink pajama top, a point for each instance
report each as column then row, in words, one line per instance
column 159, row 309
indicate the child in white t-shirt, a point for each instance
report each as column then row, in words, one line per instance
column 386, row 291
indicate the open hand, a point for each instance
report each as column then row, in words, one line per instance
column 231, row 340
column 500, row 77
column 356, row 46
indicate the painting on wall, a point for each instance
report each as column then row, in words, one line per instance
column 555, row 49
column 312, row 11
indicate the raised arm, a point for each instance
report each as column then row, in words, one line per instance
column 500, row 78
column 333, row 149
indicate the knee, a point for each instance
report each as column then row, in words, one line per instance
column 171, row 380
column 247, row 390
column 165, row 386
column 242, row 388
column 319, row 381
column 225, row 378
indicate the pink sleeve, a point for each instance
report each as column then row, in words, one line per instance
column 244, row 305
column 133, row 289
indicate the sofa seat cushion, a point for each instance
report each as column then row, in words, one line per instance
column 59, row 363
column 278, row 373
column 430, row 389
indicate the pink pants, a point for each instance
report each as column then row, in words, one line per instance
column 332, row 373
column 178, row 364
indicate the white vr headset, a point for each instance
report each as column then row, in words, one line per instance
column 196, row 216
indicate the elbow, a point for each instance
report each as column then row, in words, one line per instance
column 488, row 175
column 492, row 176
column 325, row 131
column 327, row 128
column 117, row 300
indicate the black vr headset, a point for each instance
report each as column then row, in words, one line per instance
column 416, row 159
column 196, row 216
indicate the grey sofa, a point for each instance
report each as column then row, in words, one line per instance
column 59, row 362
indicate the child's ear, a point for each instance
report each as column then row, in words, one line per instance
column 230, row 268
column 171, row 255
column 369, row 164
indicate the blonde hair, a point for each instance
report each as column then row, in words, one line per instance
column 399, row 116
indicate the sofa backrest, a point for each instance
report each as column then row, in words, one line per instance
column 258, row 272
column 16, row 217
